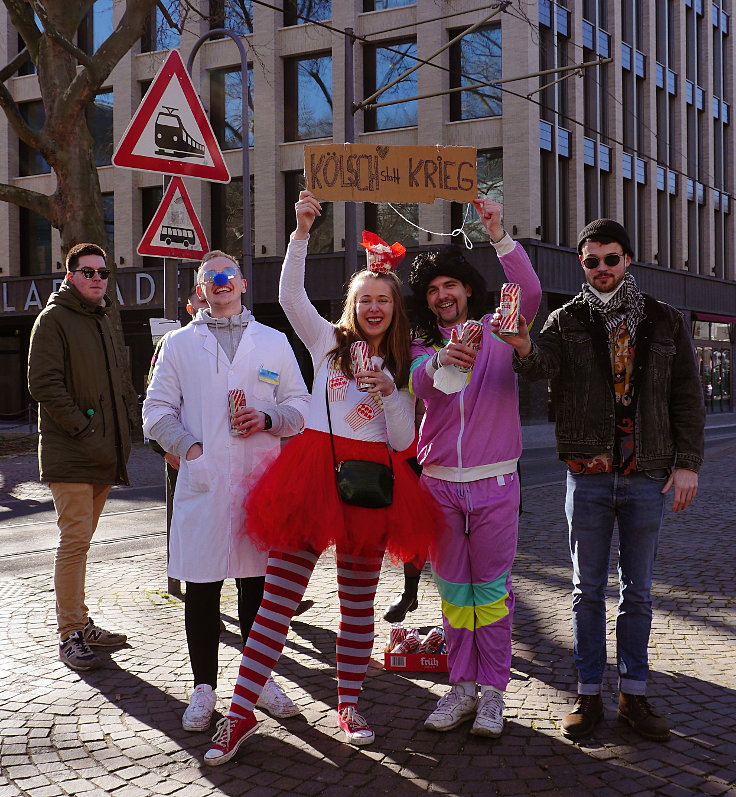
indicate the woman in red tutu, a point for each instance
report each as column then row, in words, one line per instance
column 295, row 510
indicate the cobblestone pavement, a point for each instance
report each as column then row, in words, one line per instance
column 117, row 731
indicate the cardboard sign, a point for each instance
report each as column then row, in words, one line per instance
column 390, row 173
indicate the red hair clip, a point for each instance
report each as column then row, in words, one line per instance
column 380, row 256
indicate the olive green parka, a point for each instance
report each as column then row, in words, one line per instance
column 74, row 375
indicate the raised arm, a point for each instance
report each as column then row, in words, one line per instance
column 315, row 332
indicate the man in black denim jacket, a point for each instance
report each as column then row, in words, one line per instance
column 629, row 425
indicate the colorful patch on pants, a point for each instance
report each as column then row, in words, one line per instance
column 473, row 606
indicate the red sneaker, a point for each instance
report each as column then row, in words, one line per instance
column 357, row 730
column 231, row 733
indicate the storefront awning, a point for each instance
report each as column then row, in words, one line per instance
column 721, row 319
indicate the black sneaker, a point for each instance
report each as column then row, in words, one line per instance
column 644, row 720
column 76, row 653
column 581, row 721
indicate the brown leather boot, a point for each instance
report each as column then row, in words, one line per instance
column 581, row 721
column 644, row 720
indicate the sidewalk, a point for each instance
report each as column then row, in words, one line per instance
column 117, row 731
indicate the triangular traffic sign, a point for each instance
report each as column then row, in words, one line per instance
column 170, row 132
column 174, row 230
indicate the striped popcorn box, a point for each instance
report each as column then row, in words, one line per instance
column 337, row 385
column 235, row 401
column 362, row 414
column 360, row 358
column 509, row 309
column 471, row 336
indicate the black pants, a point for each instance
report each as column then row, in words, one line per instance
column 202, row 622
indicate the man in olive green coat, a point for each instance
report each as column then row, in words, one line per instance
column 84, row 434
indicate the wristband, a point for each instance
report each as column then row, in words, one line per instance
column 503, row 235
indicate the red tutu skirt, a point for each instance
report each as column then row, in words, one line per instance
column 295, row 505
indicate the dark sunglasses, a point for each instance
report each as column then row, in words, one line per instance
column 209, row 276
column 88, row 273
column 610, row 260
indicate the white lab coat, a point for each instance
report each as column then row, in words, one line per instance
column 191, row 381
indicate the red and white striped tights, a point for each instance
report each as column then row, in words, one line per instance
column 287, row 577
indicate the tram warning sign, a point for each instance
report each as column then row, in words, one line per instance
column 170, row 132
column 174, row 230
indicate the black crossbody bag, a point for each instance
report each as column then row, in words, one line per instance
column 361, row 482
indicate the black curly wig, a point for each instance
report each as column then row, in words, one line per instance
column 446, row 262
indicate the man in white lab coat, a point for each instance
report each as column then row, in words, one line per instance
column 186, row 412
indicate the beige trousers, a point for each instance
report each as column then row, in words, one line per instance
column 78, row 508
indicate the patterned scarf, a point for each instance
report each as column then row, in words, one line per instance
column 627, row 302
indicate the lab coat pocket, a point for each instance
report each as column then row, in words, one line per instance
column 198, row 474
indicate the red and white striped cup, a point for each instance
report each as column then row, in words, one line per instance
column 360, row 358
column 509, row 309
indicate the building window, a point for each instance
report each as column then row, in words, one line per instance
column 382, row 65
column 490, row 184
column 227, row 216
column 159, row 33
column 226, row 107
column 31, row 160
column 301, row 12
column 35, row 243
column 96, row 26
column 383, row 220
column 380, row 5
column 322, row 235
column 150, row 200
column 99, row 121
column 476, row 58
column 108, row 213
column 308, row 98
column 235, row 15
column 714, row 362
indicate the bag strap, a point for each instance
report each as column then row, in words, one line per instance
column 332, row 441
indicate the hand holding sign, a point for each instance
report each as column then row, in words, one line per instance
column 307, row 209
column 490, row 214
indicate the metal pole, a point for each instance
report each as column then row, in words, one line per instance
column 244, row 111
column 351, row 252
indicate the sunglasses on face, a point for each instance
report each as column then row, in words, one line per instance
column 610, row 260
column 209, row 276
column 88, row 273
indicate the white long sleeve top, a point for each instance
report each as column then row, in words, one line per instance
column 354, row 414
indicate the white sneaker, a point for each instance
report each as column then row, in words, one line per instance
column 452, row 709
column 275, row 702
column 198, row 716
column 489, row 716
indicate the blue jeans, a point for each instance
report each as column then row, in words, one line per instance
column 593, row 503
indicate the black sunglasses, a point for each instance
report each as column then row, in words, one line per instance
column 88, row 273
column 610, row 260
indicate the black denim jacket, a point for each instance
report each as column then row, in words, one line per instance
column 572, row 350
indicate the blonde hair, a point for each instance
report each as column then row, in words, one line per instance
column 394, row 347
column 211, row 256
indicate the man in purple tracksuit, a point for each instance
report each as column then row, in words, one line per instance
column 469, row 446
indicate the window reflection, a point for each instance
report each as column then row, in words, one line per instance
column 308, row 94
column 235, row 15
column 99, row 121
column 476, row 58
column 383, row 219
column 301, row 12
column 379, row 5
column 31, row 160
column 226, row 104
column 321, row 236
column 490, row 184
column 159, row 34
column 96, row 27
column 714, row 364
column 35, row 243
column 108, row 212
column 227, row 216
column 150, row 200
column 382, row 66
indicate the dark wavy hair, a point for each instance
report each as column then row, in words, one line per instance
column 446, row 262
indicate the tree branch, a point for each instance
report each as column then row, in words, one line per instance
column 11, row 68
column 34, row 138
column 165, row 13
column 89, row 80
column 21, row 16
column 57, row 36
column 32, row 200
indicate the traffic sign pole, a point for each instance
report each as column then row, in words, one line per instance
column 244, row 111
